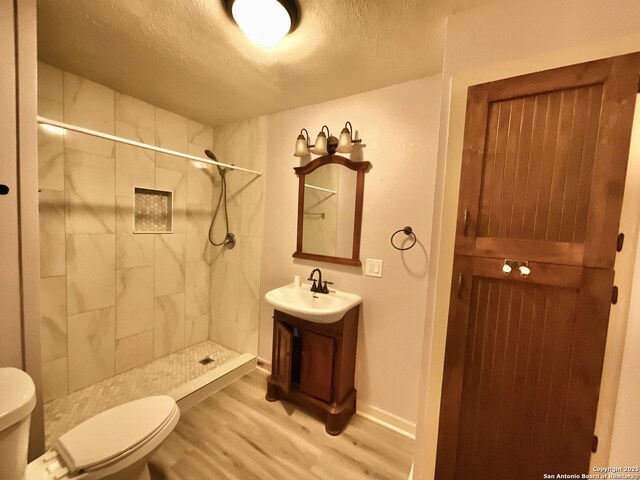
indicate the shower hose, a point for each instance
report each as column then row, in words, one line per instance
column 229, row 239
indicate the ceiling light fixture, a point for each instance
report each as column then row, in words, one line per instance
column 326, row 144
column 265, row 22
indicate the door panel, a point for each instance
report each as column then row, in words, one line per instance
column 282, row 348
column 536, row 250
column 543, row 172
column 544, row 161
column 317, row 365
column 523, row 364
column 532, row 193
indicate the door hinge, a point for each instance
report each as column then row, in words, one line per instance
column 614, row 295
column 620, row 242
column 594, row 444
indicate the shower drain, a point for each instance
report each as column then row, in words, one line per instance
column 207, row 360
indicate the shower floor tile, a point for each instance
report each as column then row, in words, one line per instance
column 155, row 378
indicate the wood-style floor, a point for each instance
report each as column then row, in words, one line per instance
column 236, row 434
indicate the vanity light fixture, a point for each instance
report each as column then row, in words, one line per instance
column 326, row 144
column 346, row 141
column 302, row 144
column 265, row 22
column 321, row 147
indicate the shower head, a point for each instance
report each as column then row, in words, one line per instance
column 213, row 157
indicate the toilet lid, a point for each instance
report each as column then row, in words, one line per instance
column 114, row 432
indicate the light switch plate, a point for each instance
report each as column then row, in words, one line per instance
column 373, row 267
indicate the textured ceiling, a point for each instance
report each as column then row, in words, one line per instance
column 187, row 56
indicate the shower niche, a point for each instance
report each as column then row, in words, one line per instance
column 152, row 210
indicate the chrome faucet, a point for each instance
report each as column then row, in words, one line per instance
column 320, row 287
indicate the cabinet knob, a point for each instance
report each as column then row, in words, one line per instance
column 4, row 189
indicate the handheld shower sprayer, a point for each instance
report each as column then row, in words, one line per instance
column 213, row 157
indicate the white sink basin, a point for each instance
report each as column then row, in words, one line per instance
column 315, row 307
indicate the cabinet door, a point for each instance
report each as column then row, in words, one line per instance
column 317, row 365
column 282, row 345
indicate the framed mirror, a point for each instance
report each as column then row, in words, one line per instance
column 330, row 198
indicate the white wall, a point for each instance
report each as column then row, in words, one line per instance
column 501, row 40
column 399, row 126
column 624, row 442
column 10, row 311
column 626, row 425
column 19, row 286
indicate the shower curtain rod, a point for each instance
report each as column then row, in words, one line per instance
column 320, row 188
column 94, row 133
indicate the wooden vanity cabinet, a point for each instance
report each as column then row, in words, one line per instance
column 313, row 364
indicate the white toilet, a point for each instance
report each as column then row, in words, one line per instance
column 114, row 445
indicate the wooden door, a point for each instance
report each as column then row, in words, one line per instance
column 542, row 181
column 317, row 365
column 282, row 355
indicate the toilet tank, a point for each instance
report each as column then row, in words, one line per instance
column 17, row 400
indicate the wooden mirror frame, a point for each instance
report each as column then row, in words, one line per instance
column 301, row 172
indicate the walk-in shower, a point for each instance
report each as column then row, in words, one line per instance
column 133, row 297
column 229, row 240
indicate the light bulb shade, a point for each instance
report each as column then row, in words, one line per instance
column 320, row 147
column 302, row 149
column 344, row 142
column 265, row 22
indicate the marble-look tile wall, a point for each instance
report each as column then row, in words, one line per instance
column 111, row 299
column 235, row 274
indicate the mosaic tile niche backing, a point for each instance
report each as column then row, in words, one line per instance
column 153, row 212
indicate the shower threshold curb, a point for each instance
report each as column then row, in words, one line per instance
column 198, row 389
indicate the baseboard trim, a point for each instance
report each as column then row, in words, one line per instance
column 387, row 420
column 263, row 365
column 202, row 387
column 375, row 414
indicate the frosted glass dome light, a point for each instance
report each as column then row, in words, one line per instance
column 265, row 22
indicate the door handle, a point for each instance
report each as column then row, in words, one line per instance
column 465, row 221
column 4, row 189
column 459, row 284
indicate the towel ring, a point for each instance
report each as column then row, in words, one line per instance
column 407, row 231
